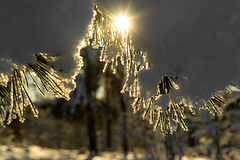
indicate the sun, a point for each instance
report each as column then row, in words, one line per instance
column 122, row 22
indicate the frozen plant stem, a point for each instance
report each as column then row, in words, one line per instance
column 116, row 45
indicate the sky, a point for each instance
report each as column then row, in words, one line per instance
column 197, row 41
column 54, row 27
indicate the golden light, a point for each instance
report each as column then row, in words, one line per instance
column 122, row 22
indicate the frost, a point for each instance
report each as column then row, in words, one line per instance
column 4, row 79
column 15, row 96
column 52, row 38
column 178, row 66
column 14, row 92
column 187, row 80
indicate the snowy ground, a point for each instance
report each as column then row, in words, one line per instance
column 11, row 152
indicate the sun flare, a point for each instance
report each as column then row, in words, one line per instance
column 122, row 22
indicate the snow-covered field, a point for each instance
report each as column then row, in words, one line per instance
column 12, row 152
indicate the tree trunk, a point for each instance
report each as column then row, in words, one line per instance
column 109, row 127
column 124, row 125
column 91, row 129
column 169, row 148
column 16, row 130
column 90, row 80
column 218, row 148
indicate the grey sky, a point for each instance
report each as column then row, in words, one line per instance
column 49, row 26
column 197, row 39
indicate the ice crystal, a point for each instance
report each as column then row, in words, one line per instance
column 14, row 97
column 166, row 106
column 116, row 46
column 4, row 79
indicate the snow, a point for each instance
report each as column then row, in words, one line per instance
column 187, row 39
column 54, row 27
column 194, row 41
column 197, row 41
column 13, row 152
column 34, row 152
column 53, row 30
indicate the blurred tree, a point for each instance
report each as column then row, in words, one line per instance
column 91, row 77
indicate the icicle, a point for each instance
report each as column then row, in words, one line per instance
column 15, row 97
column 117, row 45
column 3, row 114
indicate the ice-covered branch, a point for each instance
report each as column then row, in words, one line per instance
column 165, row 104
